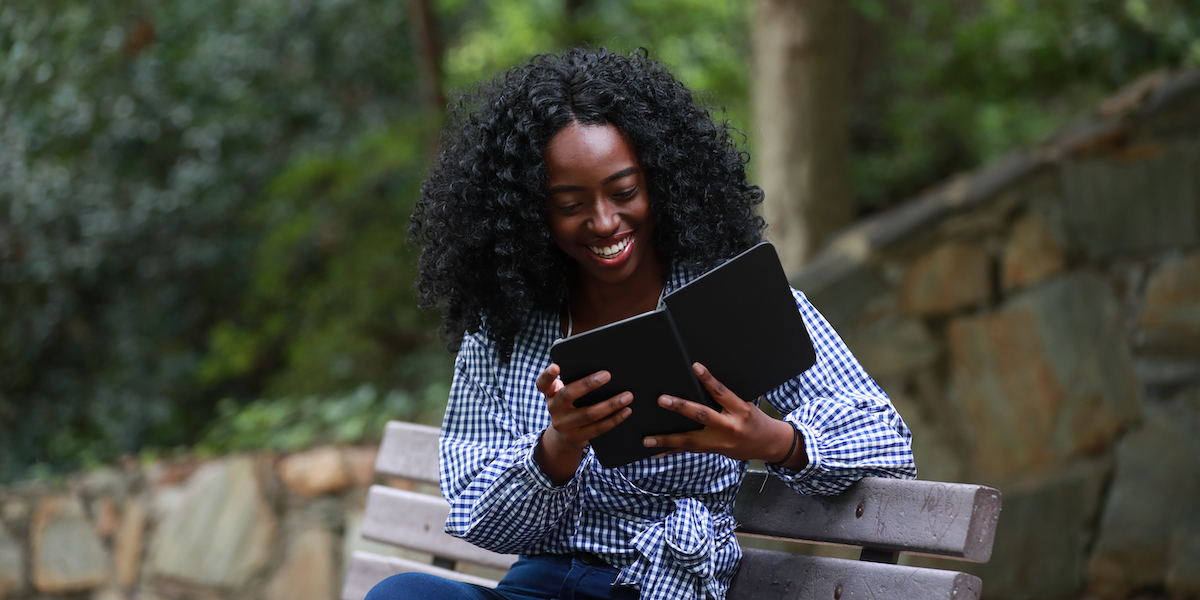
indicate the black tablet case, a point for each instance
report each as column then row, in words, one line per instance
column 739, row 320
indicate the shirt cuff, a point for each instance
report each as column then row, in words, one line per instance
column 534, row 471
column 811, row 449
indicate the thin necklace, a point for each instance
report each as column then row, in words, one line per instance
column 571, row 321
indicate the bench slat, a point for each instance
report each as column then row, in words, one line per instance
column 955, row 520
column 410, row 451
column 417, row 522
column 774, row 575
column 922, row 517
column 368, row 569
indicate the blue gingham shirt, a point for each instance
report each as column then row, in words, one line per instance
column 665, row 522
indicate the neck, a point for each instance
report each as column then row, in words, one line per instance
column 595, row 304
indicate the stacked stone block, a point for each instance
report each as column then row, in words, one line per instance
column 240, row 527
column 1037, row 323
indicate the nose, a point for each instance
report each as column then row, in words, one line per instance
column 605, row 220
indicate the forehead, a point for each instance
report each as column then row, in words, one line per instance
column 584, row 150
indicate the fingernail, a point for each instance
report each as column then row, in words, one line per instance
column 665, row 401
column 649, row 442
column 626, row 398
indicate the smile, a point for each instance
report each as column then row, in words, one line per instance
column 612, row 251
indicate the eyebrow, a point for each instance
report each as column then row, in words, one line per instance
column 626, row 172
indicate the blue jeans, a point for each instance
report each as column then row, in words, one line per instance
column 538, row 577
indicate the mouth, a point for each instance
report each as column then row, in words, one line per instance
column 611, row 251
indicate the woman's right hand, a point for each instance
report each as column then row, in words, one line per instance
column 572, row 427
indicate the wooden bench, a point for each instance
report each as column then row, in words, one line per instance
column 883, row 517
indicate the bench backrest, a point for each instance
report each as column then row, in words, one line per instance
column 884, row 517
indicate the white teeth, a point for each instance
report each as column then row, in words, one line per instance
column 610, row 251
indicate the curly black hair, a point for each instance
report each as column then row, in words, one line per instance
column 481, row 216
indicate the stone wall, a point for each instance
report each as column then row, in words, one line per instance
column 241, row 527
column 1037, row 323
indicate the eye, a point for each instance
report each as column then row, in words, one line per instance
column 567, row 209
column 627, row 193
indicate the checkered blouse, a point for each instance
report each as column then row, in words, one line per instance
column 665, row 522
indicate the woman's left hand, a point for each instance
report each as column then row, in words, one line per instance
column 742, row 431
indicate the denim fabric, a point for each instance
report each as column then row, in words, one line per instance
column 538, row 577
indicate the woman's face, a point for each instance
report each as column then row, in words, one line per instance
column 597, row 205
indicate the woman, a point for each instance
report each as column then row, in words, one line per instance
column 573, row 192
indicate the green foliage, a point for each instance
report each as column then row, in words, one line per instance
column 705, row 42
column 331, row 300
column 963, row 82
column 290, row 424
column 206, row 199
column 132, row 140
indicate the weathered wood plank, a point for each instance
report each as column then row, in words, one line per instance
column 417, row 522
column 922, row 517
column 941, row 519
column 410, row 451
column 772, row 575
column 368, row 569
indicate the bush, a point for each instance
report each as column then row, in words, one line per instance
column 291, row 424
column 134, row 142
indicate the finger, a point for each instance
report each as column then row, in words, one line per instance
column 678, row 442
column 587, row 422
column 695, row 411
column 602, row 426
column 685, row 441
column 545, row 381
column 602, row 410
column 723, row 395
column 580, row 387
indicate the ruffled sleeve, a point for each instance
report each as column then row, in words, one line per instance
column 499, row 498
column 849, row 426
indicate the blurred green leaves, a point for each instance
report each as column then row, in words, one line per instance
column 203, row 202
column 207, row 199
column 291, row 424
column 705, row 42
column 135, row 141
column 961, row 83
column 331, row 302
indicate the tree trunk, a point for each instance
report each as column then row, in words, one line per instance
column 429, row 58
column 800, row 111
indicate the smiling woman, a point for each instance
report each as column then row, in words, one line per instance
column 598, row 212
column 573, row 192
column 488, row 254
